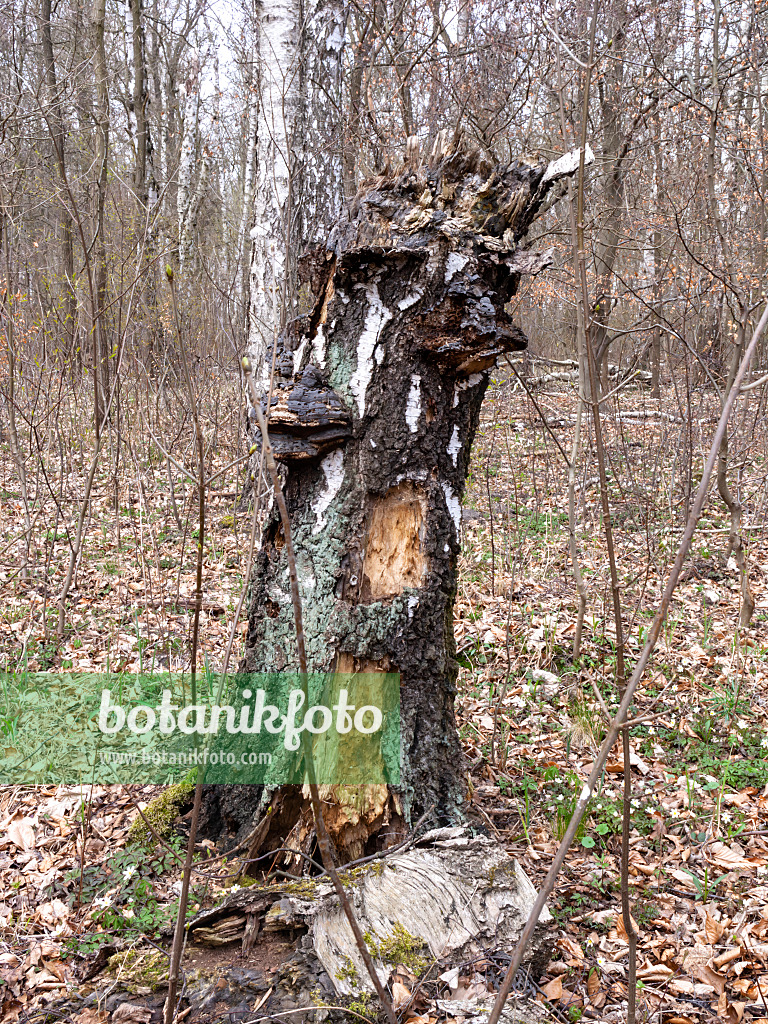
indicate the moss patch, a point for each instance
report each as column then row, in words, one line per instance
column 362, row 1005
column 137, row 969
column 161, row 813
column 399, row 948
column 348, row 973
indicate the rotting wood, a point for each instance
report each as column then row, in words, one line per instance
column 451, row 897
column 409, row 317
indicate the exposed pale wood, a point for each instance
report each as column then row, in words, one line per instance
column 394, row 557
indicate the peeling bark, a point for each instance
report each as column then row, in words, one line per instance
column 408, row 320
column 454, row 896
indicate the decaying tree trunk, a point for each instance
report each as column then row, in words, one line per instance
column 374, row 417
column 454, row 894
column 430, row 911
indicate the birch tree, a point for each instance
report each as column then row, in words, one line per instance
column 298, row 191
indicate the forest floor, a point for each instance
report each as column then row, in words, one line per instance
column 530, row 720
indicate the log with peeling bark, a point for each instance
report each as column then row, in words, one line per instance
column 451, row 900
column 374, row 414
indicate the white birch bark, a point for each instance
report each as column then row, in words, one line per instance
column 249, row 185
column 298, row 189
column 130, row 72
column 279, row 100
column 184, row 195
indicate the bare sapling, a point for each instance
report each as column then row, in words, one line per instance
column 179, row 931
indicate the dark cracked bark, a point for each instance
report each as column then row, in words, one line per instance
column 374, row 419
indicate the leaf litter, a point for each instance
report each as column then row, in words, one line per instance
column 530, row 720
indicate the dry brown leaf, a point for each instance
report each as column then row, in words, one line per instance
column 593, row 984
column 742, row 986
column 637, row 762
column 400, row 994
column 553, row 990
column 730, row 954
column 655, row 972
column 736, row 1011
column 569, row 946
column 725, row 857
column 736, row 799
column 131, row 1013
column 621, row 931
column 710, row 976
column 713, row 929
column 21, row 834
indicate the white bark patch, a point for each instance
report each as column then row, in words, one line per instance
column 567, row 164
column 460, row 895
column 318, row 346
column 413, row 603
column 472, row 381
column 413, row 405
column 376, row 320
column 335, row 40
column 453, row 505
column 409, row 300
column 379, row 355
column 333, row 468
column 298, row 355
column 454, row 445
column 454, row 264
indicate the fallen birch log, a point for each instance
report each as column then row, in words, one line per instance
column 447, row 901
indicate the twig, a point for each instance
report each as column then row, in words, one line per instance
column 180, row 931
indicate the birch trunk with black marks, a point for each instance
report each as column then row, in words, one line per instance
column 374, row 416
column 298, row 190
column 188, row 199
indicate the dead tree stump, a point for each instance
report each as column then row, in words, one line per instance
column 373, row 417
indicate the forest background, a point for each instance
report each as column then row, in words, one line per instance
column 134, row 136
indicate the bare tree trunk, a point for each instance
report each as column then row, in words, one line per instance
column 375, row 428
column 735, row 540
column 249, row 168
column 186, row 198
column 100, row 341
column 144, row 173
column 299, row 185
column 614, row 149
column 658, row 264
column 58, row 134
